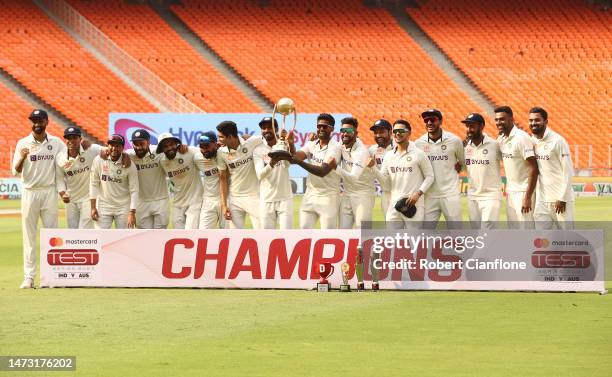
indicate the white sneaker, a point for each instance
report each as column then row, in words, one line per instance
column 27, row 283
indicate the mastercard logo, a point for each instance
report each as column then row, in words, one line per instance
column 56, row 241
column 541, row 243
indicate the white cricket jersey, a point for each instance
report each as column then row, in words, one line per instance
column 353, row 168
column 239, row 163
column 274, row 182
column 555, row 167
column 185, row 176
column 483, row 169
column 443, row 154
column 317, row 155
column 151, row 176
column 378, row 154
column 406, row 172
column 75, row 172
column 210, row 183
column 113, row 186
column 39, row 166
column 515, row 150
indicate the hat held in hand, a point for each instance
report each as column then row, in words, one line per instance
column 405, row 209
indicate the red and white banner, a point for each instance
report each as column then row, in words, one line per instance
column 274, row 259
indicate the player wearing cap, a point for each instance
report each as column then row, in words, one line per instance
column 555, row 196
column 153, row 202
column 211, row 214
column 113, row 189
column 359, row 191
column 407, row 170
column 184, row 174
column 237, row 176
column 275, row 195
column 74, row 169
column 521, row 169
column 382, row 135
column 321, row 199
column 445, row 152
column 34, row 161
column 482, row 159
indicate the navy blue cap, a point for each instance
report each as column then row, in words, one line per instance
column 474, row 118
column 141, row 134
column 38, row 114
column 72, row 131
column 381, row 123
column 208, row 137
column 265, row 120
column 116, row 138
column 434, row 112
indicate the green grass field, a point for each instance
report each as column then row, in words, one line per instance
column 199, row 332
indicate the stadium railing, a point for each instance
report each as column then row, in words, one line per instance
column 166, row 95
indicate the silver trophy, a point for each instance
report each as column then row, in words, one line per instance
column 285, row 107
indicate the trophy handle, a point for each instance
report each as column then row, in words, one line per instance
column 273, row 127
column 294, row 120
column 332, row 270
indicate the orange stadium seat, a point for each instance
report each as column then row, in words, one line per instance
column 46, row 60
column 139, row 31
column 550, row 53
column 334, row 56
column 14, row 125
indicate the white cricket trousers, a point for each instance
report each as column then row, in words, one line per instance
column 281, row 212
column 355, row 209
column 514, row 204
column 78, row 215
column 108, row 215
column 152, row 214
column 187, row 217
column 546, row 217
column 484, row 214
column 385, row 198
column 211, row 216
column 240, row 207
column 35, row 204
column 449, row 206
column 322, row 208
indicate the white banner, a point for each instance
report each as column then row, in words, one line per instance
column 291, row 259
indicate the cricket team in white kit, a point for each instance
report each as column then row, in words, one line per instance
column 229, row 177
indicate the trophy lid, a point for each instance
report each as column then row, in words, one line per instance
column 285, row 106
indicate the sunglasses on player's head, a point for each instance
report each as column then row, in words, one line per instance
column 347, row 130
column 399, row 130
column 321, row 125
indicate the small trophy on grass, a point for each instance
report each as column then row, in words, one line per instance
column 345, row 287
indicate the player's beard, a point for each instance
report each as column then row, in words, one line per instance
column 140, row 153
column 269, row 137
column 171, row 154
column 381, row 141
column 347, row 140
column 38, row 129
column 210, row 155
